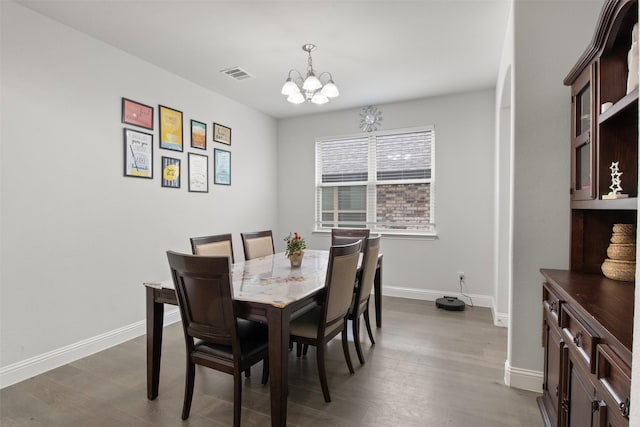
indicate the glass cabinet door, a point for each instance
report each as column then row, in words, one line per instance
column 583, row 153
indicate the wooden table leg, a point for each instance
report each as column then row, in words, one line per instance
column 155, row 320
column 278, row 320
column 377, row 287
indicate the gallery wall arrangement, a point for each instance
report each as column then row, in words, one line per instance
column 138, row 147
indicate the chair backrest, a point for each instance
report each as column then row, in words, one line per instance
column 343, row 236
column 257, row 244
column 369, row 265
column 205, row 297
column 218, row 245
column 341, row 276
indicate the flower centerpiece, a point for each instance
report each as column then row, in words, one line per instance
column 295, row 249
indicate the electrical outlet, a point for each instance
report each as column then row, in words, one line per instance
column 461, row 275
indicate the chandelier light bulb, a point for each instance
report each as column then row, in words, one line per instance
column 311, row 83
column 289, row 87
column 330, row 90
column 296, row 98
column 319, row 98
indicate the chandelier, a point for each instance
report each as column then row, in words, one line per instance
column 311, row 88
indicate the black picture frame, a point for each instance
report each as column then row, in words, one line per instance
column 171, row 172
column 221, row 134
column 137, row 114
column 198, row 173
column 171, row 128
column 138, row 153
column 198, row 139
column 221, row 167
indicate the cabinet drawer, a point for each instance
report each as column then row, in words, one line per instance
column 551, row 303
column 614, row 377
column 579, row 337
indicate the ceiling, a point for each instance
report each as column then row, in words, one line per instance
column 377, row 51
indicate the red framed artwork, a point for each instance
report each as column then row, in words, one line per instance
column 137, row 114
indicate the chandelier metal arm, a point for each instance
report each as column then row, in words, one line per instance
column 323, row 73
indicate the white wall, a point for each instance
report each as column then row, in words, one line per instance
column 549, row 38
column 415, row 268
column 78, row 238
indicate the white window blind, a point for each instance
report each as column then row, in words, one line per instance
column 382, row 181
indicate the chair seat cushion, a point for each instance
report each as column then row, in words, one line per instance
column 254, row 338
column 307, row 325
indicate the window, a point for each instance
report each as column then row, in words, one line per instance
column 382, row 181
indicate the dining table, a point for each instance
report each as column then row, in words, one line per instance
column 266, row 290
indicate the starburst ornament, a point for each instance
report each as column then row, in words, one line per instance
column 616, row 188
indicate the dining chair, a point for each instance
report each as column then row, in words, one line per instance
column 217, row 245
column 319, row 325
column 225, row 343
column 257, row 244
column 342, row 236
column 362, row 294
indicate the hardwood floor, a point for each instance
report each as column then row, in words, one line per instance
column 429, row 367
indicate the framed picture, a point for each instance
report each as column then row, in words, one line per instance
column 221, row 134
column 138, row 154
column 137, row 114
column 170, row 172
column 170, row 128
column 198, row 173
column 198, row 135
column 221, row 167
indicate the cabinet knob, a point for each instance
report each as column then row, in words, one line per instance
column 624, row 408
column 557, row 391
column 577, row 340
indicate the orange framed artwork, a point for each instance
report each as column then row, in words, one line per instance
column 198, row 135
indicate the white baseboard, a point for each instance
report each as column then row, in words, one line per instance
column 431, row 295
column 500, row 319
column 33, row 366
column 524, row 379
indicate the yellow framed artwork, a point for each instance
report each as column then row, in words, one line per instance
column 170, row 128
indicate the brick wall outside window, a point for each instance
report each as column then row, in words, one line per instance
column 403, row 204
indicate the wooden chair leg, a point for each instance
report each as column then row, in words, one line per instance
column 247, row 372
column 298, row 349
column 265, row 370
column 345, row 348
column 356, row 338
column 188, row 388
column 305, row 349
column 367, row 322
column 322, row 372
column 237, row 398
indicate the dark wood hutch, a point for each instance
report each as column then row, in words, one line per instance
column 587, row 318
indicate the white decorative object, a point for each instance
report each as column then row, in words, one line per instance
column 605, row 106
column 632, row 58
column 370, row 118
column 615, row 184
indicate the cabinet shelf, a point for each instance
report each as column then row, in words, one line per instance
column 628, row 101
column 619, row 204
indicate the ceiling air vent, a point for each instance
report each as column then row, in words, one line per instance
column 237, row 73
